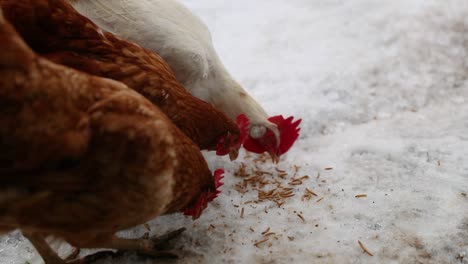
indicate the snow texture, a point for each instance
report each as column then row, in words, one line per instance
column 382, row 89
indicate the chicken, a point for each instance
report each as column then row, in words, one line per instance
column 55, row 30
column 184, row 42
column 83, row 157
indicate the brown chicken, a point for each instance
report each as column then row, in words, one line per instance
column 83, row 157
column 54, row 29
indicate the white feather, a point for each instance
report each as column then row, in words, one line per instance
column 184, row 42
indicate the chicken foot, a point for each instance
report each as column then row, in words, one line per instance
column 146, row 246
column 150, row 247
column 73, row 255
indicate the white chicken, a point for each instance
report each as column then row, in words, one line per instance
column 184, row 42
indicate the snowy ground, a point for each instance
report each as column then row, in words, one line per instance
column 382, row 89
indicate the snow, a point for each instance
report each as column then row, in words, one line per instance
column 381, row 87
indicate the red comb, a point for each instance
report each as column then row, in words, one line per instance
column 289, row 131
column 217, row 177
column 205, row 197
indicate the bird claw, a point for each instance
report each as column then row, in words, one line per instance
column 119, row 253
column 152, row 247
column 160, row 241
column 159, row 254
column 73, row 254
column 95, row 257
column 159, row 244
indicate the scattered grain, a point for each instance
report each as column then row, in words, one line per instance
column 266, row 231
column 365, row 249
column 301, row 217
column 311, row 192
column 258, row 243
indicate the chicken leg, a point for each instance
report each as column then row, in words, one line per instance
column 43, row 248
column 150, row 247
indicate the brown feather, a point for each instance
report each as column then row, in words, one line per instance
column 90, row 156
column 55, row 29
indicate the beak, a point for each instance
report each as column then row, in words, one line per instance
column 274, row 128
column 233, row 154
column 274, row 157
column 197, row 215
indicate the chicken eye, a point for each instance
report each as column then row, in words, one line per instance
column 257, row 131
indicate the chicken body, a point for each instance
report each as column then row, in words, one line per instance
column 83, row 157
column 54, row 29
column 184, row 42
